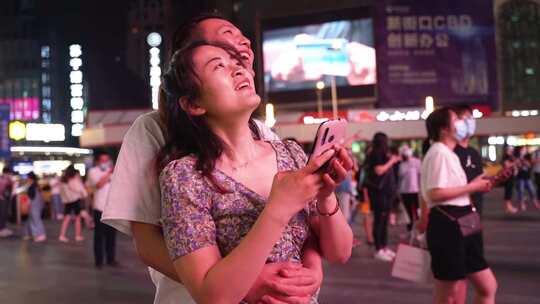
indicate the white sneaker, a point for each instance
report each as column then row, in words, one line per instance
column 382, row 256
column 389, row 253
column 40, row 238
column 6, row 233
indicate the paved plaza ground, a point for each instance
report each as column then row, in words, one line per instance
column 64, row 273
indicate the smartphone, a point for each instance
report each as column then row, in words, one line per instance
column 328, row 134
column 502, row 176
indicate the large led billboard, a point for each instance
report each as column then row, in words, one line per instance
column 296, row 57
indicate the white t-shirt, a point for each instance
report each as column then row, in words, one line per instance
column 409, row 175
column 72, row 191
column 54, row 183
column 135, row 195
column 100, row 195
column 441, row 169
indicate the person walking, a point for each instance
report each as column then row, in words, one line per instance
column 6, row 192
column 523, row 178
column 509, row 163
column 34, row 225
column 56, row 200
column 72, row 191
column 381, row 184
column 99, row 180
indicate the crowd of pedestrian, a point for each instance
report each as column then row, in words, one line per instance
column 29, row 200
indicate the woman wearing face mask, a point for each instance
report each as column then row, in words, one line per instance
column 470, row 159
column 455, row 257
column 409, row 183
column 231, row 202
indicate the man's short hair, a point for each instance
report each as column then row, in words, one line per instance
column 461, row 109
column 98, row 155
column 188, row 31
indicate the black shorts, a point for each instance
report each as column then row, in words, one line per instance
column 74, row 208
column 452, row 255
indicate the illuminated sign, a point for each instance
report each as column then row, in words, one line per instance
column 22, row 108
column 46, row 101
column 76, row 93
column 270, row 116
column 314, row 118
column 526, row 140
column 154, row 40
column 45, row 132
column 17, row 130
column 522, row 113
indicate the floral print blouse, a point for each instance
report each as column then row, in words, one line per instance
column 196, row 215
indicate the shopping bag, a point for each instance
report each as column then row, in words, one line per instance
column 412, row 264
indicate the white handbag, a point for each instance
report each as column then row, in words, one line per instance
column 412, row 263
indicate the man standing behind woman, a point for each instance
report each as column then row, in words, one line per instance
column 455, row 257
column 99, row 180
column 470, row 159
column 133, row 206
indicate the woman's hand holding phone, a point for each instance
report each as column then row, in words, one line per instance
column 293, row 190
column 337, row 171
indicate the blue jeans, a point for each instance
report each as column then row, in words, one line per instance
column 57, row 206
column 34, row 225
column 523, row 185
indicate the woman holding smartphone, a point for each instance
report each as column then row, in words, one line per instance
column 230, row 201
column 455, row 257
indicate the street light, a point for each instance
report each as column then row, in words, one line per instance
column 430, row 106
column 154, row 40
column 270, row 120
column 320, row 87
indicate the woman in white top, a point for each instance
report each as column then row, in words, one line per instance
column 409, row 183
column 454, row 257
column 72, row 191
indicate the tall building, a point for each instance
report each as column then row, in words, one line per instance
column 20, row 63
column 144, row 17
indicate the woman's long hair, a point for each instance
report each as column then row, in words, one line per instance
column 186, row 134
column 379, row 144
column 435, row 123
column 69, row 173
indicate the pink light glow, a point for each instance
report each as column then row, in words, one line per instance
column 22, row 108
